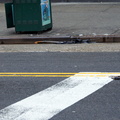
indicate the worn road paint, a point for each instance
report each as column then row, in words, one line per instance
column 47, row 103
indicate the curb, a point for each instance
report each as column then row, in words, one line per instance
column 56, row 40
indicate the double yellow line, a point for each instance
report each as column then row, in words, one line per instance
column 36, row 74
column 82, row 74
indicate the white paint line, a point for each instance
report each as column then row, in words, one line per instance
column 45, row 104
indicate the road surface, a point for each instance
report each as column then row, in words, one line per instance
column 101, row 101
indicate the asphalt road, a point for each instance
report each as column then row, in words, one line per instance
column 101, row 105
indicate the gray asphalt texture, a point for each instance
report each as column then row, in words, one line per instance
column 101, row 105
column 74, row 20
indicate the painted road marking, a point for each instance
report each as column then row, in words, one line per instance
column 89, row 74
column 47, row 103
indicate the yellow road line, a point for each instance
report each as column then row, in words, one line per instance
column 85, row 74
column 35, row 75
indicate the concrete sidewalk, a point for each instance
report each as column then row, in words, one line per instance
column 76, row 20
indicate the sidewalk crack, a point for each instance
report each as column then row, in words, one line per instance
column 107, row 9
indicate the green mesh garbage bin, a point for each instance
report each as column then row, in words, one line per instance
column 29, row 15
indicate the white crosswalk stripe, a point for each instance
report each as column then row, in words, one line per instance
column 49, row 102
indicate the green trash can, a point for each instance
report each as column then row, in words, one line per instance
column 29, row 15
